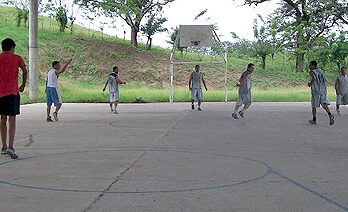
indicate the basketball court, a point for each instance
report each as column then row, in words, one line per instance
column 166, row 157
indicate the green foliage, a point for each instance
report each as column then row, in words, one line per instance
column 153, row 25
column 131, row 11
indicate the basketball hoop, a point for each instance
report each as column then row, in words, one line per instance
column 195, row 42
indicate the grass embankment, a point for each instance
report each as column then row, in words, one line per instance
column 87, row 92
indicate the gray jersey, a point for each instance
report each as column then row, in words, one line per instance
column 342, row 84
column 113, row 84
column 319, row 85
column 246, row 87
column 197, row 80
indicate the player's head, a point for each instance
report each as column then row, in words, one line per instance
column 56, row 65
column 250, row 67
column 8, row 45
column 313, row 65
column 197, row 67
column 115, row 69
column 343, row 70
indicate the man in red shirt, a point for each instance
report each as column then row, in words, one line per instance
column 9, row 93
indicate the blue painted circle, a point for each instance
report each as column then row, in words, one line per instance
column 142, row 149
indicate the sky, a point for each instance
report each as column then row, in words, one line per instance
column 229, row 15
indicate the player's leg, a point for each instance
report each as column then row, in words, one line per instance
column 12, row 131
column 238, row 104
column 116, row 104
column 199, row 96
column 49, row 104
column 193, row 96
column 4, row 134
column 338, row 103
column 327, row 109
column 116, row 101
column 57, row 99
column 325, row 102
column 315, row 103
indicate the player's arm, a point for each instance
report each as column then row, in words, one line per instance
column 107, row 81
column 24, row 78
column 190, row 81
column 242, row 81
column 64, row 68
column 119, row 81
column 336, row 87
column 313, row 78
column 206, row 89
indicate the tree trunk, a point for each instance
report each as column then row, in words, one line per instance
column 338, row 66
column 150, row 44
column 299, row 62
column 134, row 40
column 263, row 62
column 272, row 55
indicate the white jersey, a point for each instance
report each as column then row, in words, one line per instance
column 197, row 80
column 113, row 84
column 343, row 84
column 52, row 79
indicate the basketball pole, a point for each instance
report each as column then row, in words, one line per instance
column 33, row 50
column 223, row 52
column 171, row 68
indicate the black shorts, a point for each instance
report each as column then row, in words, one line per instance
column 9, row 105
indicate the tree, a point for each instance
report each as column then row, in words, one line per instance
column 58, row 11
column 261, row 46
column 307, row 20
column 22, row 9
column 338, row 46
column 154, row 24
column 131, row 11
column 173, row 38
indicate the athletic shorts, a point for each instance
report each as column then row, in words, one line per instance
column 196, row 93
column 245, row 99
column 318, row 100
column 342, row 99
column 53, row 96
column 9, row 105
column 114, row 97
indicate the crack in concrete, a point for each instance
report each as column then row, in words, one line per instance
column 90, row 206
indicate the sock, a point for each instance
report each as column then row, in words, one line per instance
column 337, row 107
column 314, row 118
column 329, row 114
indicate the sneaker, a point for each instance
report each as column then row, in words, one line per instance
column 312, row 122
column 199, row 109
column 234, row 115
column 4, row 151
column 55, row 116
column 12, row 153
column 241, row 113
column 192, row 107
column 332, row 121
column 115, row 111
column 338, row 111
column 49, row 119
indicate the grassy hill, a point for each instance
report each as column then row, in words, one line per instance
column 145, row 71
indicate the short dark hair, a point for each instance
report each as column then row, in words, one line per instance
column 7, row 44
column 55, row 63
column 197, row 66
column 114, row 68
column 313, row 63
column 343, row 68
column 250, row 64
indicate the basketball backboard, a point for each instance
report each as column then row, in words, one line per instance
column 196, row 35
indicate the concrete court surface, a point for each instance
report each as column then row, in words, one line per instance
column 166, row 157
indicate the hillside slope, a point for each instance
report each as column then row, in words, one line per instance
column 94, row 55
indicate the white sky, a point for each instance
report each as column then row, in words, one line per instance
column 231, row 16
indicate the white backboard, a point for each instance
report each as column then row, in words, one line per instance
column 196, row 35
